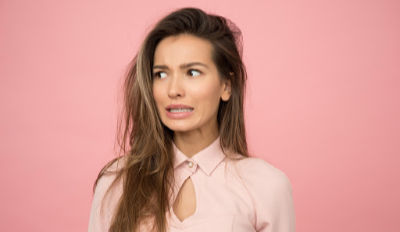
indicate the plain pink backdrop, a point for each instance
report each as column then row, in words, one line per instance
column 323, row 104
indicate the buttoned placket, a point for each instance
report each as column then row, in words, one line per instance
column 188, row 168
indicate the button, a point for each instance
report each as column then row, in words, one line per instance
column 190, row 164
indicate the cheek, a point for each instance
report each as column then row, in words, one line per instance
column 207, row 96
column 157, row 94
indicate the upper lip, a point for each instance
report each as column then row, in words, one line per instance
column 177, row 106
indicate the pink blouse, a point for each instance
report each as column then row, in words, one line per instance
column 231, row 196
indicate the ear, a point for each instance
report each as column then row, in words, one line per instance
column 227, row 90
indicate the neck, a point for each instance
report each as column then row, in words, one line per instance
column 192, row 144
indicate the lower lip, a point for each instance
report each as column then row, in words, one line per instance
column 179, row 115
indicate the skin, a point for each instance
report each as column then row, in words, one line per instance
column 196, row 85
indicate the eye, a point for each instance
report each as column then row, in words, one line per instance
column 160, row 74
column 194, row 72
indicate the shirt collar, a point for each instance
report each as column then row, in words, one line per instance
column 208, row 158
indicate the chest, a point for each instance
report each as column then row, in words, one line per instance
column 201, row 203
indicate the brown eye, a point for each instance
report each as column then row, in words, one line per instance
column 194, row 72
column 160, row 74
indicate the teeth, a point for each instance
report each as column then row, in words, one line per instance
column 180, row 110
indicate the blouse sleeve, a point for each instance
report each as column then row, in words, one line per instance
column 272, row 197
column 278, row 208
column 103, row 205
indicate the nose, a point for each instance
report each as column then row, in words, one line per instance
column 175, row 87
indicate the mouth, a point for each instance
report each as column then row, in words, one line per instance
column 179, row 110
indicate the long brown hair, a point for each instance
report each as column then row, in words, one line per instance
column 147, row 172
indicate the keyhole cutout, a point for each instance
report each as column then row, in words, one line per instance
column 185, row 203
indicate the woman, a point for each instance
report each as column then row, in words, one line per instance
column 187, row 167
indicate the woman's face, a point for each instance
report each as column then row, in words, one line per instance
column 185, row 74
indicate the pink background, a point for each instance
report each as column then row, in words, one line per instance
column 322, row 105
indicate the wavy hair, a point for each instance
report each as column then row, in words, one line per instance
column 147, row 173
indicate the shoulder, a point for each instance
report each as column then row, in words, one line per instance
column 105, row 181
column 260, row 172
column 109, row 172
column 266, row 184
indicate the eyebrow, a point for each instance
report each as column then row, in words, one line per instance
column 182, row 66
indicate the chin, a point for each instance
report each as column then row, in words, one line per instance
column 178, row 128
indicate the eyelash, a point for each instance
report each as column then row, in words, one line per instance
column 195, row 71
column 157, row 74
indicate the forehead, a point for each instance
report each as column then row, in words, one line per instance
column 181, row 49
